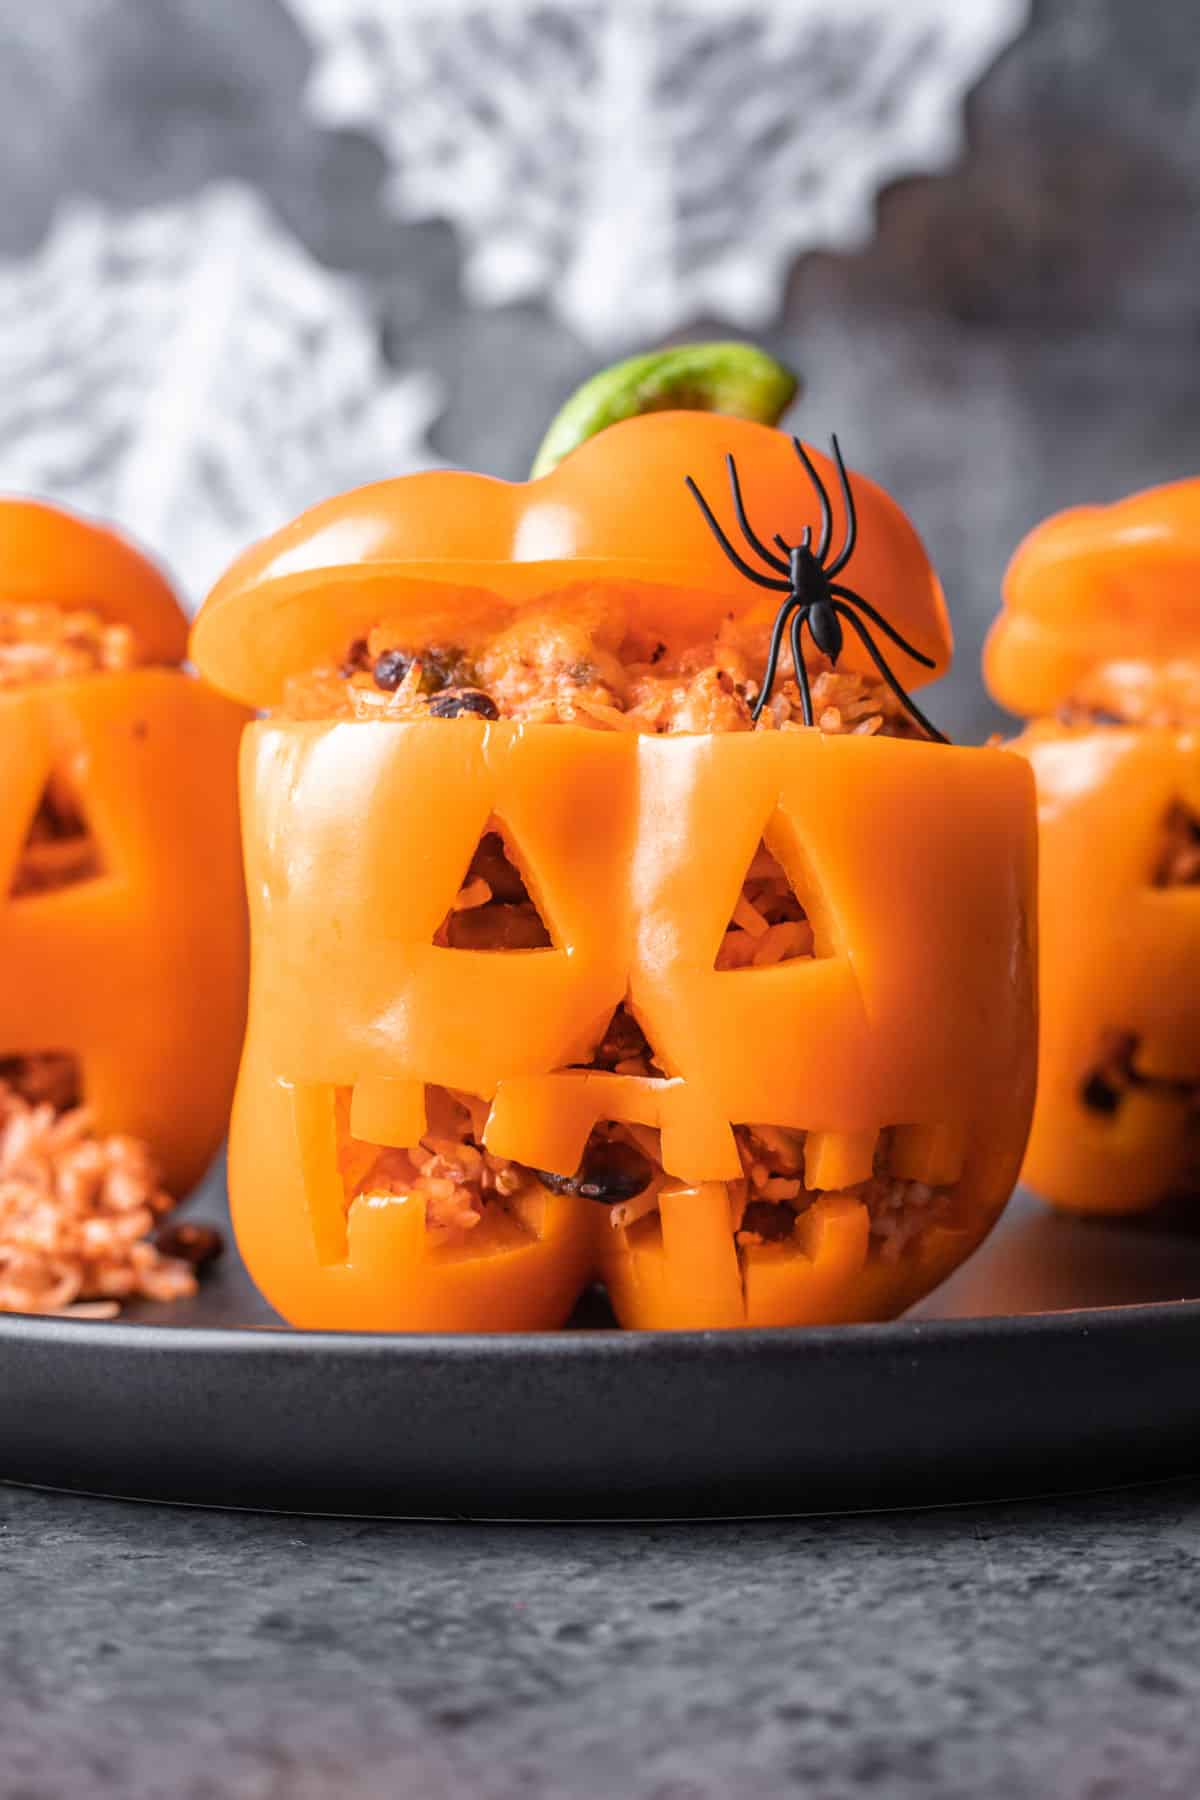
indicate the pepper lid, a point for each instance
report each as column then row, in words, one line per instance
column 431, row 547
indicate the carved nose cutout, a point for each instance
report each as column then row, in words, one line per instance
column 45, row 1077
column 493, row 909
column 60, row 848
column 1177, row 861
column 776, row 917
column 1116, row 1087
column 624, row 1048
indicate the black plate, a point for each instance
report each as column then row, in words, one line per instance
column 990, row 1389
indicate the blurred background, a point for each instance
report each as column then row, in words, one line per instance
column 255, row 250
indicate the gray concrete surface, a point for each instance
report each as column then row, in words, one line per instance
column 1027, row 1650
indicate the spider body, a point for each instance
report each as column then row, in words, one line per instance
column 814, row 599
column 813, row 596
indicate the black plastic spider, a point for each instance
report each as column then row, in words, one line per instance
column 814, row 598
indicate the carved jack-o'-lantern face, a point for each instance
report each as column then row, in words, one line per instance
column 909, row 1021
column 122, row 933
column 1115, row 1123
column 1101, row 621
column 879, row 1029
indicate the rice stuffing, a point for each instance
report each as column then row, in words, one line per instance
column 574, row 659
column 76, row 1211
column 45, row 643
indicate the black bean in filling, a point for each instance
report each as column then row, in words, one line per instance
column 456, row 702
column 610, row 1171
column 390, row 669
column 769, row 1220
column 440, row 668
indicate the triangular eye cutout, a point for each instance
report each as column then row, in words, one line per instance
column 770, row 922
column 60, row 850
column 45, row 1077
column 624, row 1049
column 493, row 909
column 1177, row 859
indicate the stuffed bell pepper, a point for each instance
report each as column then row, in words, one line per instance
column 123, row 931
column 1098, row 644
column 616, row 912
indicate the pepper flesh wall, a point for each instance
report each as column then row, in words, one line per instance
column 903, row 1036
column 123, row 930
column 1097, row 646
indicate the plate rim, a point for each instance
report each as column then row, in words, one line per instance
column 134, row 1335
column 540, row 1425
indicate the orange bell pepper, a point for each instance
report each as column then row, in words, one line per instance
column 137, row 968
column 914, row 863
column 1100, row 621
column 1100, row 607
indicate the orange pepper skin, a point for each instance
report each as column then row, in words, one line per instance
column 140, row 970
column 1118, row 956
column 917, row 1011
column 54, row 557
column 1097, row 598
column 429, row 548
column 1100, row 608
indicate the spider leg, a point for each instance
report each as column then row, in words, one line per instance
column 776, row 644
column 909, row 705
column 806, row 705
column 847, row 550
column 739, row 562
column 805, row 541
column 822, row 496
column 755, row 542
column 877, row 618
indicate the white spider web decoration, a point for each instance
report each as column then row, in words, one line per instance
column 644, row 161
column 190, row 374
